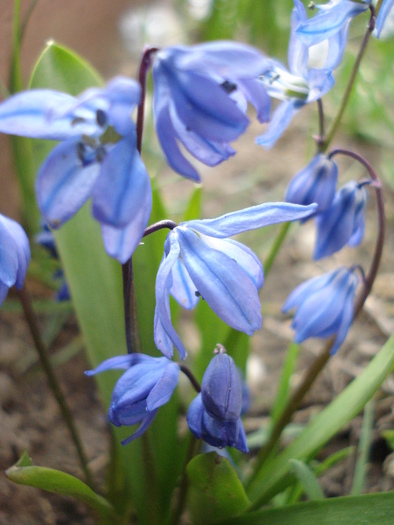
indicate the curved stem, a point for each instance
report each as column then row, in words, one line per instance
column 350, row 84
column 146, row 62
column 320, row 138
column 159, row 226
column 192, row 379
column 317, row 366
column 53, row 382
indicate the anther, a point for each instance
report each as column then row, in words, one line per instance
column 228, row 87
column 101, row 118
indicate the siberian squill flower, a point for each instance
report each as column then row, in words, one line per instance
column 200, row 99
column 14, row 255
column 200, row 261
column 324, row 306
column 147, row 384
column 96, row 159
column 343, row 222
column 214, row 415
column 332, row 22
column 315, row 183
column 385, row 10
column 300, row 84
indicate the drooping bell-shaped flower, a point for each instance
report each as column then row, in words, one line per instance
column 14, row 256
column 315, row 183
column 300, row 84
column 147, row 384
column 343, row 222
column 96, row 159
column 214, row 415
column 324, row 306
column 200, row 100
column 200, row 261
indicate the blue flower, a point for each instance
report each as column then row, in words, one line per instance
column 214, row 415
column 200, row 100
column 14, row 255
column 300, row 84
column 384, row 12
column 331, row 22
column 315, row 183
column 96, row 159
column 199, row 261
column 147, row 384
column 343, row 222
column 324, row 306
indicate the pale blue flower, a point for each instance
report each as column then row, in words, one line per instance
column 200, row 261
column 200, row 100
column 300, row 84
column 315, row 183
column 96, row 159
column 14, row 256
column 332, row 21
column 343, row 222
column 324, row 306
column 147, row 384
column 214, row 415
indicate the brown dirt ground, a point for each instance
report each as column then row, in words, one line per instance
column 29, row 416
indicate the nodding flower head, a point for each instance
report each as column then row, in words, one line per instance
column 14, row 255
column 214, row 415
column 200, row 261
column 343, row 222
column 315, row 183
column 147, row 384
column 200, row 100
column 96, row 159
column 324, row 306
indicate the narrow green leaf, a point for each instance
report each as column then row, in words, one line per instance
column 59, row 482
column 273, row 476
column 308, row 480
column 215, row 491
column 284, row 381
column 363, row 449
column 371, row 509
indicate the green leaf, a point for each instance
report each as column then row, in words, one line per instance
column 215, row 491
column 308, row 480
column 274, row 474
column 58, row 482
column 371, row 509
column 363, row 449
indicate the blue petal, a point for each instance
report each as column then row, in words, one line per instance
column 305, row 289
column 250, row 219
column 230, row 293
column 320, row 81
column 383, row 13
column 22, row 248
column 297, row 53
column 242, row 255
column 122, row 187
column 257, row 95
column 165, row 386
column 165, row 130
column 142, row 428
column 194, row 416
column 336, row 48
column 118, row 362
column 347, row 318
column 183, row 289
column 329, row 21
column 8, row 255
column 64, row 184
column 280, row 120
column 163, row 324
column 31, row 114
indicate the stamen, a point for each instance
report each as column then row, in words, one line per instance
column 228, row 87
column 100, row 153
column 81, row 150
column 101, row 118
column 219, row 349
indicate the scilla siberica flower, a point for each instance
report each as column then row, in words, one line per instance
column 14, row 255
column 200, row 100
column 200, row 261
column 300, row 84
column 324, row 306
column 96, row 159
column 315, row 183
column 214, row 415
column 343, row 222
column 332, row 21
column 147, row 384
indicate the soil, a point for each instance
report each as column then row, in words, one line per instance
column 29, row 416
